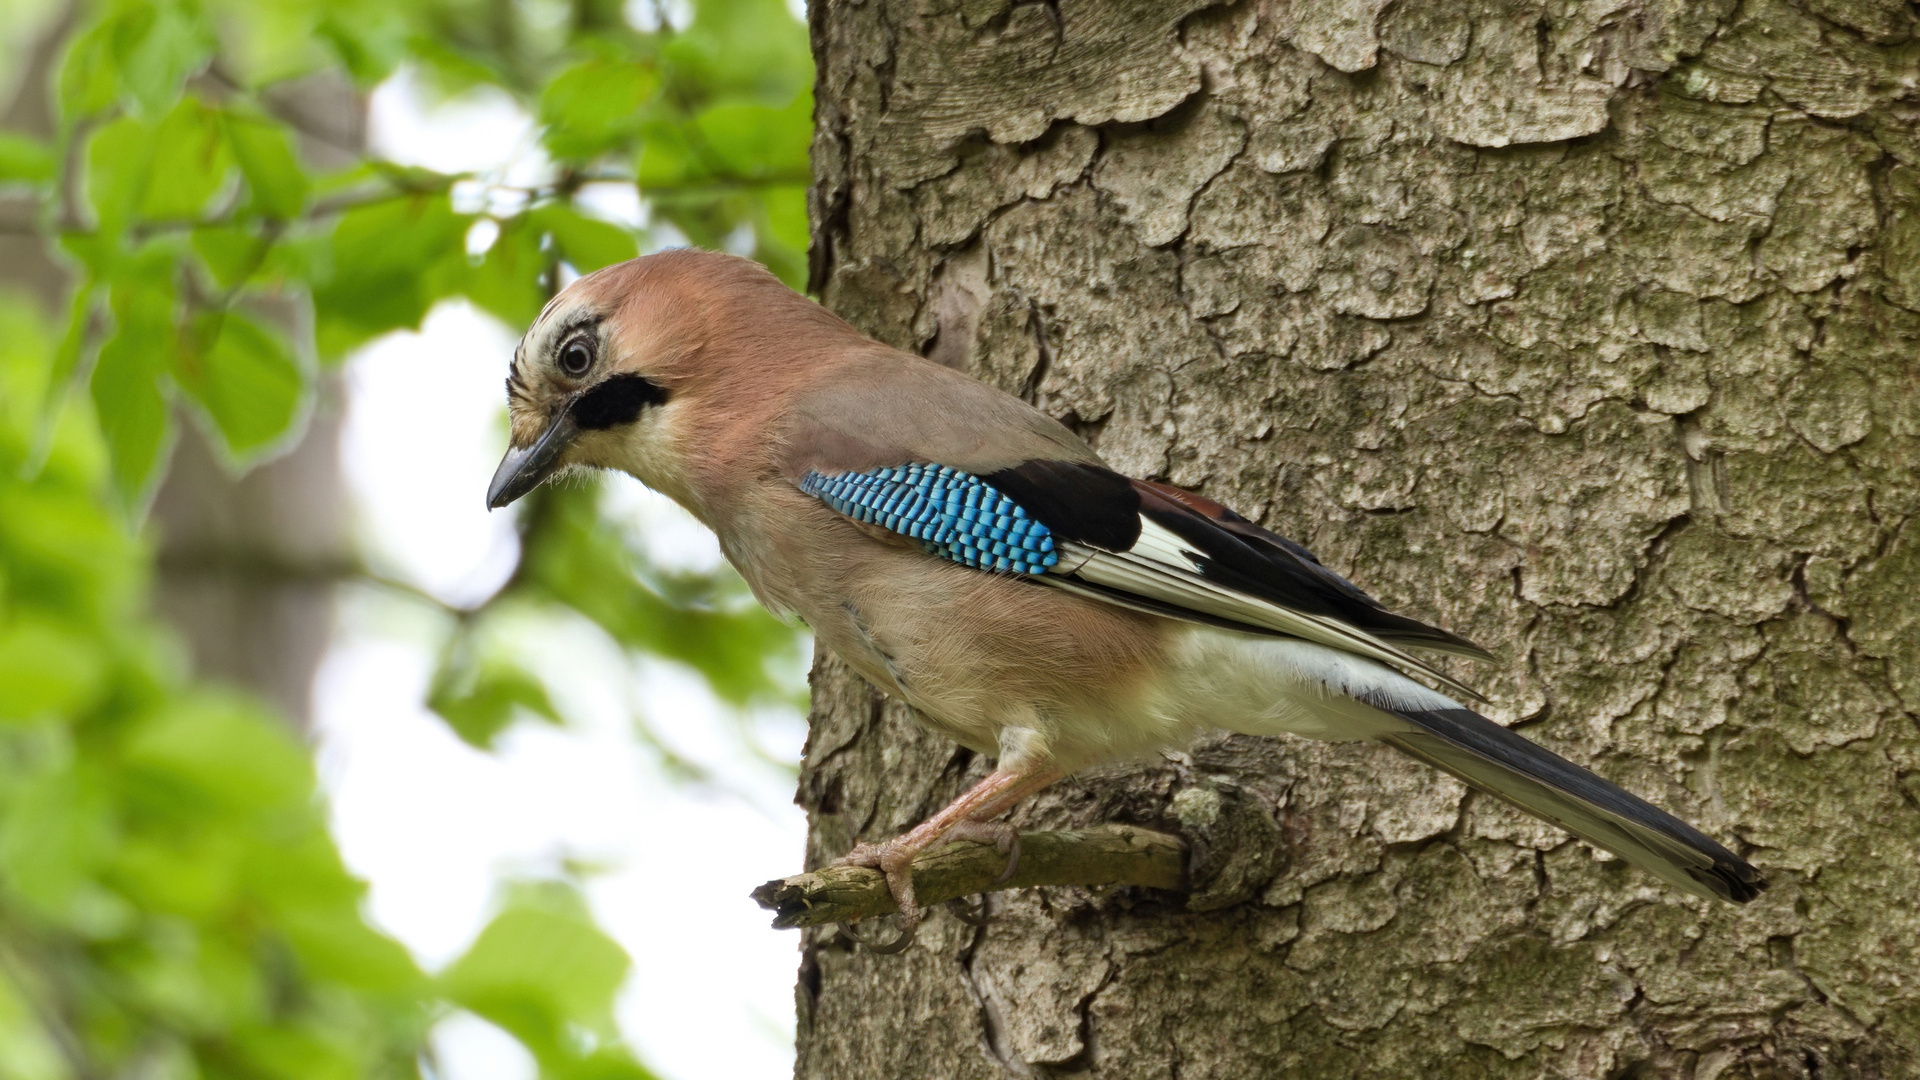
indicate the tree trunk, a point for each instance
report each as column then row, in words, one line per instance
column 248, row 564
column 1584, row 330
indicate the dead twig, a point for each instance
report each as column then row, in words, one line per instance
column 1108, row 855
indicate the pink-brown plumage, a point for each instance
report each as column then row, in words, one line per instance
column 717, row 385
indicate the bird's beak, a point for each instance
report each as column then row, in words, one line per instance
column 523, row 470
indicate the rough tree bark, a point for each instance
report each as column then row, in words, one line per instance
column 1587, row 330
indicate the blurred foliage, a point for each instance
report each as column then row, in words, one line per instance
column 544, row 972
column 170, row 902
column 171, row 905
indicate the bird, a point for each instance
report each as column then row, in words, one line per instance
column 972, row 556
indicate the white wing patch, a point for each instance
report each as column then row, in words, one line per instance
column 1161, row 567
column 1162, row 545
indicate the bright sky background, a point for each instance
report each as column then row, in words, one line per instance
column 433, row 824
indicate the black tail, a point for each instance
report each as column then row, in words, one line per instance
column 1542, row 783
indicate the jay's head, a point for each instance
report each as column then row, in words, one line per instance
column 607, row 374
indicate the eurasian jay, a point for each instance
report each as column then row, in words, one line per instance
column 967, row 553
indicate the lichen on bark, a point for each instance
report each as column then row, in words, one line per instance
column 1585, row 330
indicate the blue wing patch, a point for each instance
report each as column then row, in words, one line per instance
column 954, row 514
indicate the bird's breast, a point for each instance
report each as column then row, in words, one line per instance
column 975, row 652
column 979, row 652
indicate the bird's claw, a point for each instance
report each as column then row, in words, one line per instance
column 967, row 913
column 908, row 931
column 1013, row 859
column 895, row 861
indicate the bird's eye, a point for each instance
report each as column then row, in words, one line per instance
column 576, row 357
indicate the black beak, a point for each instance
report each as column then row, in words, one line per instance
column 523, row 470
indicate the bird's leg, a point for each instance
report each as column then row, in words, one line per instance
column 987, row 799
column 981, row 826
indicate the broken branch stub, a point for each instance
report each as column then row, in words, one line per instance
column 1107, row 855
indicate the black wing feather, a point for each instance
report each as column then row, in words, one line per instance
column 1077, row 501
column 1102, row 508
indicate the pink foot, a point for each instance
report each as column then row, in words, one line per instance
column 893, row 859
column 1002, row 835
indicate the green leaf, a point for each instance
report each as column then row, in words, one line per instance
column 126, row 389
column 755, row 142
column 539, row 971
column 389, row 262
column 371, row 37
column 90, row 75
column 451, row 68
column 284, row 1053
column 231, row 253
column 592, row 107
column 190, row 163
column 223, row 749
column 158, row 47
column 66, row 360
column 300, row 877
column 509, row 282
column 46, row 670
column 667, row 158
column 265, row 153
column 783, row 238
column 56, row 833
column 336, row 943
column 139, row 54
column 119, row 155
column 25, row 158
column 27, row 353
column 245, row 376
column 586, row 243
column 787, row 216
column 170, row 865
column 271, row 43
column 754, row 48
column 168, row 171
column 479, row 699
column 60, row 550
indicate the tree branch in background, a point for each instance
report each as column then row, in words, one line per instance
column 1108, row 855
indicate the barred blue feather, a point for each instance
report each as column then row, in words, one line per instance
column 954, row 514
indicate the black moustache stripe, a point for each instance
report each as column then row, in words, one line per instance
column 617, row 400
